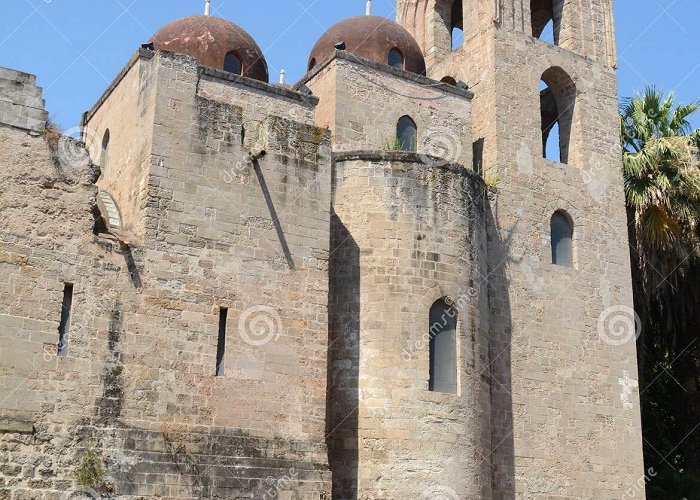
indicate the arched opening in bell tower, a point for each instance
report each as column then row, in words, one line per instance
column 457, row 25
column 557, row 107
column 545, row 16
column 451, row 14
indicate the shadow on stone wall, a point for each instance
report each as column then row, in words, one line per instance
column 273, row 214
column 502, row 455
column 343, row 360
column 109, row 406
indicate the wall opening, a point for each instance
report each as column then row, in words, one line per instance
column 442, row 329
column 456, row 25
column 478, row 156
column 395, row 59
column 457, row 38
column 557, row 108
column 312, row 64
column 233, row 64
column 407, row 134
column 104, row 155
column 449, row 30
column 64, row 325
column 449, row 79
column 545, row 17
column 562, row 232
column 221, row 343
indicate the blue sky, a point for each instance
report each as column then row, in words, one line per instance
column 76, row 47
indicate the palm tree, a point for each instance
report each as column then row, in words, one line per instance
column 661, row 168
column 662, row 179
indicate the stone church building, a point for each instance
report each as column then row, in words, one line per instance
column 404, row 277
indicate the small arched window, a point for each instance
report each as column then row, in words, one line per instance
column 449, row 80
column 312, row 64
column 104, row 156
column 396, row 59
column 442, row 329
column 233, row 64
column 562, row 239
column 406, row 133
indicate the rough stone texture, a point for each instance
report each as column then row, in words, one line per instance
column 406, row 233
column 21, row 104
column 328, row 265
column 220, row 230
column 362, row 101
column 127, row 110
column 565, row 402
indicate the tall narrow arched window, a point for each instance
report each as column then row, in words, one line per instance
column 407, row 133
column 448, row 35
column 104, row 155
column 442, row 328
column 396, row 58
column 557, row 110
column 562, row 239
column 233, row 64
column 545, row 17
column 456, row 25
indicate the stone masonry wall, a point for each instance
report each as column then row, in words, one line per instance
column 138, row 381
column 405, row 234
column 227, row 229
column 588, row 31
column 21, row 104
column 47, row 240
column 369, row 98
column 126, row 110
column 566, row 403
column 565, row 397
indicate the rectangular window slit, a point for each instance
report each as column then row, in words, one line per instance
column 221, row 344
column 64, row 326
column 478, row 156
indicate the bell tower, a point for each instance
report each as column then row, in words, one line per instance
column 565, row 404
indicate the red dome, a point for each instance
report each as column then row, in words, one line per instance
column 371, row 37
column 209, row 39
